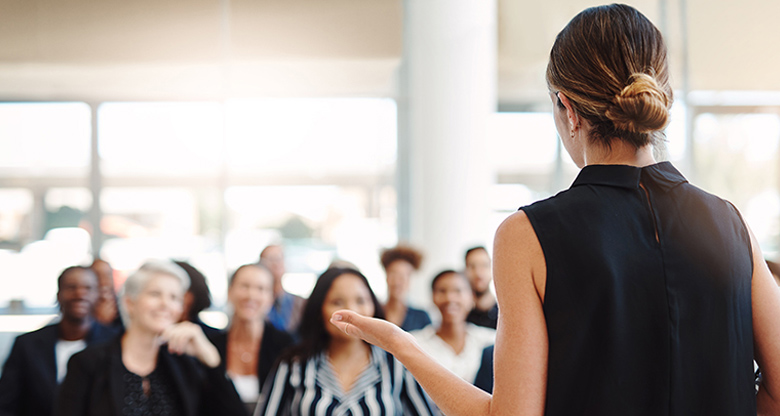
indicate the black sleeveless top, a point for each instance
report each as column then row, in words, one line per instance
column 639, row 325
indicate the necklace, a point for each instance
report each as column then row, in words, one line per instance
column 245, row 353
column 244, row 350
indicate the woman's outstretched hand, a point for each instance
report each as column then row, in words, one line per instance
column 375, row 331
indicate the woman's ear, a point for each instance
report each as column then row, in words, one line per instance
column 571, row 115
column 128, row 303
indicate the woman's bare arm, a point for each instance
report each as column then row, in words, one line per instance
column 766, row 332
column 521, row 341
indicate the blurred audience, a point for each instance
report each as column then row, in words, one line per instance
column 158, row 366
column 287, row 308
column 331, row 373
column 150, row 353
column 38, row 360
column 251, row 345
column 106, row 310
column 458, row 345
column 197, row 298
column 480, row 274
column 400, row 263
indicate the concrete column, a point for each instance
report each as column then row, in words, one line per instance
column 95, row 184
column 447, row 92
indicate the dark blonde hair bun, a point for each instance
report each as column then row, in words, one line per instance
column 641, row 107
column 610, row 62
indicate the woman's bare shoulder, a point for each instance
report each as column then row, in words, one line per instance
column 517, row 247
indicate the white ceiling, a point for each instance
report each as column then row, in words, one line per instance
column 209, row 49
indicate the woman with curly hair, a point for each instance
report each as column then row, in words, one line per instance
column 400, row 264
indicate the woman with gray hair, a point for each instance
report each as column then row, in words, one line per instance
column 158, row 366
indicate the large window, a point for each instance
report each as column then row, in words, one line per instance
column 207, row 182
column 736, row 155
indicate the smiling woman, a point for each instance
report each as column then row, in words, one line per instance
column 455, row 343
column 135, row 372
column 331, row 373
column 250, row 346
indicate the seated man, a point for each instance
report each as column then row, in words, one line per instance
column 286, row 312
column 480, row 274
column 38, row 360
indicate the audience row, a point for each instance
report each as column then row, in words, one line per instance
column 145, row 351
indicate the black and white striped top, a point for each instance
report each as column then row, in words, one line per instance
column 385, row 388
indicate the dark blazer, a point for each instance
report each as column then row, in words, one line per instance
column 94, row 384
column 484, row 378
column 415, row 319
column 273, row 343
column 29, row 377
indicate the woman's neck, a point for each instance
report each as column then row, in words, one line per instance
column 454, row 334
column 395, row 310
column 349, row 358
column 139, row 351
column 395, row 302
column 620, row 153
column 246, row 330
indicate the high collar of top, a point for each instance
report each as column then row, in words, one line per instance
column 663, row 174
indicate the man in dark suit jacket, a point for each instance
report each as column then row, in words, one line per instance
column 31, row 372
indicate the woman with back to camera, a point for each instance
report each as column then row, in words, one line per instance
column 250, row 346
column 158, row 366
column 331, row 373
column 631, row 293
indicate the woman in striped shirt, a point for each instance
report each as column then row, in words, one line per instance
column 330, row 373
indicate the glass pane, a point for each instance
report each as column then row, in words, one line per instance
column 16, row 206
column 736, row 157
column 67, row 207
column 311, row 136
column 40, row 139
column 143, row 223
column 40, row 262
column 522, row 142
column 316, row 224
column 675, row 133
column 149, row 139
column 63, row 243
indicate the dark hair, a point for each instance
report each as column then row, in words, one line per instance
column 260, row 266
column 473, row 249
column 445, row 273
column 406, row 253
column 62, row 275
column 201, row 295
column 610, row 61
column 314, row 336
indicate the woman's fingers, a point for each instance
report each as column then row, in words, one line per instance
column 187, row 338
column 347, row 322
column 375, row 331
column 181, row 338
